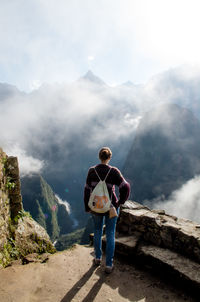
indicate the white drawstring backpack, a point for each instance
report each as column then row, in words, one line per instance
column 99, row 201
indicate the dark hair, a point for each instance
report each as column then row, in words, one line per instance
column 105, row 153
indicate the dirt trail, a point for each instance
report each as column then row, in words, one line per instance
column 69, row 276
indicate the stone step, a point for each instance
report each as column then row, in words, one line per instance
column 168, row 262
column 124, row 245
column 175, row 263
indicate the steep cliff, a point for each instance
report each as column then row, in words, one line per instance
column 20, row 235
column 40, row 200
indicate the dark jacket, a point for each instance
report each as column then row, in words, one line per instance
column 114, row 178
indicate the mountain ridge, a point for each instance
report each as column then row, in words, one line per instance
column 164, row 153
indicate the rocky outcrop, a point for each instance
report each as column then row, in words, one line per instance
column 161, row 241
column 20, row 235
column 160, row 229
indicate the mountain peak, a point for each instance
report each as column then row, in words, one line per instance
column 91, row 77
column 128, row 84
column 89, row 74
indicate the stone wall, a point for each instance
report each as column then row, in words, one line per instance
column 157, row 228
column 13, row 185
column 4, row 203
column 20, row 235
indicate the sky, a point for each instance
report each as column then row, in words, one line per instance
column 48, row 41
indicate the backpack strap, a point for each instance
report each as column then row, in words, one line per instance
column 99, row 176
column 107, row 174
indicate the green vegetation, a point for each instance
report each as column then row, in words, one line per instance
column 43, row 246
column 48, row 205
column 41, row 216
column 10, row 252
column 12, row 249
column 21, row 214
column 3, row 161
column 5, row 256
column 80, row 236
column 66, row 241
column 10, row 183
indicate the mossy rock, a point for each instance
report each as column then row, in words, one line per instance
column 30, row 238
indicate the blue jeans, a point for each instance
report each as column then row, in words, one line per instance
column 110, row 236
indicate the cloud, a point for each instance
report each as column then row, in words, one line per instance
column 35, row 84
column 45, row 122
column 28, row 165
column 184, row 202
column 64, row 202
column 55, row 119
column 132, row 120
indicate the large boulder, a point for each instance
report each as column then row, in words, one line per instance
column 30, row 237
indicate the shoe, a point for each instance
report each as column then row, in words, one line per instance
column 96, row 261
column 109, row 269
